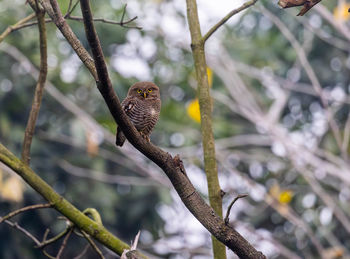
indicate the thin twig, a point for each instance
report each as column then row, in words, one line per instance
column 123, row 14
column 39, row 89
column 53, row 239
column 122, row 23
column 31, row 207
column 227, row 17
column 27, row 233
column 16, row 26
column 64, row 243
column 230, row 206
column 93, row 245
column 69, row 12
column 48, row 255
column 82, row 252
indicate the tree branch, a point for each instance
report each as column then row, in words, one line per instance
column 93, row 245
column 24, row 231
column 64, row 243
column 16, row 26
column 206, row 107
column 62, row 205
column 39, row 89
column 227, row 219
column 170, row 166
column 47, row 242
column 227, row 17
column 31, row 207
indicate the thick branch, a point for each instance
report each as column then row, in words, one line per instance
column 62, row 205
column 205, row 105
column 172, row 167
column 39, row 89
column 227, row 17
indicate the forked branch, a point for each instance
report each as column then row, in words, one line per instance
column 227, row 17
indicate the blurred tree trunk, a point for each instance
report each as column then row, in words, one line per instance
column 205, row 104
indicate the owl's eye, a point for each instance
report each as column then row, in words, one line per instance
column 139, row 91
column 149, row 90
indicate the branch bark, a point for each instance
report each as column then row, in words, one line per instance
column 205, row 105
column 39, row 89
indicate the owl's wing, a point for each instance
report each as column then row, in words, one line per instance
column 128, row 104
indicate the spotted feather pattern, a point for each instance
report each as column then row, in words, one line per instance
column 143, row 113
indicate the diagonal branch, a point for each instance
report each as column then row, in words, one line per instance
column 227, row 17
column 31, row 207
column 24, row 231
column 80, row 220
column 64, row 243
column 171, row 166
column 39, row 89
column 16, row 26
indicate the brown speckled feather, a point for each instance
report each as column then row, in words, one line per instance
column 142, row 111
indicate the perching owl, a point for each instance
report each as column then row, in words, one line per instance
column 142, row 105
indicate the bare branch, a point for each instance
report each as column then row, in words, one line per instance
column 122, row 23
column 230, row 206
column 16, row 26
column 47, row 242
column 82, row 253
column 64, row 243
column 31, row 207
column 227, row 17
column 24, row 231
column 39, row 89
column 71, row 8
column 93, row 245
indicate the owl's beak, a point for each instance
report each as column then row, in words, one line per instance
column 145, row 94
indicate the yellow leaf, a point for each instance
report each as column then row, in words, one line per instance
column 285, row 196
column 12, row 189
column 210, row 76
column 193, row 110
column 341, row 12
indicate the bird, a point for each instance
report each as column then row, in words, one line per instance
column 142, row 105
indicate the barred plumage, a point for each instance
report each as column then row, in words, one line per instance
column 142, row 105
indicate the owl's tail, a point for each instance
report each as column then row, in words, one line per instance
column 120, row 138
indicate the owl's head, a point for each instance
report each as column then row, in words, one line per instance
column 144, row 90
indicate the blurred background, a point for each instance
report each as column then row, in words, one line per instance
column 280, row 86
